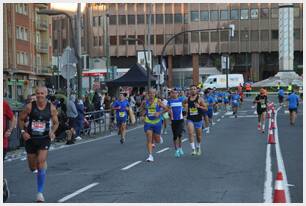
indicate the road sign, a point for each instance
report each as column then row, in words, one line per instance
column 68, row 71
column 225, row 59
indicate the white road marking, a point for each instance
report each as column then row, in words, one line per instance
column 280, row 161
column 218, row 120
column 228, row 113
column 268, row 190
column 253, row 106
column 165, row 149
column 78, row 192
column 290, row 185
column 255, row 112
column 245, row 116
column 213, row 124
column 215, row 113
column 131, row 165
column 222, row 116
column 24, row 158
column 184, row 140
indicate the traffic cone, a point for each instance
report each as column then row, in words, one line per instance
column 271, row 139
column 272, row 124
column 279, row 191
column 268, row 115
column 273, row 112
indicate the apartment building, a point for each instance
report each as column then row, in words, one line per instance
column 27, row 49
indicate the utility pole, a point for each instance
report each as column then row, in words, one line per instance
column 78, row 48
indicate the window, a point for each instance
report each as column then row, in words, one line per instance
column 235, row 37
column 274, row 13
column 274, row 34
column 18, row 57
column 186, row 18
column 94, row 21
column 22, row 33
column 244, row 35
column 204, row 15
column 224, row 15
column 179, row 39
column 17, row 32
column 131, row 19
column 214, row 36
column 140, row 19
column 296, row 34
column 25, row 34
column 159, row 18
column 168, row 18
column 141, row 37
column 160, row 39
column 244, row 14
column 194, row 36
column 113, row 40
column 152, row 18
column 25, row 11
column 194, row 15
column 178, row 18
column 112, row 19
column 121, row 41
column 95, row 42
column 254, row 13
column 100, row 20
column 296, row 12
column 122, row 19
column 234, row 14
column 204, row 36
column 255, row 35
column 264, row 13
column 214, row 15
column 100, row 40
column 152, row 39
column 224, row 35
column 22, row 9
column 131, row 42
column 264, row 35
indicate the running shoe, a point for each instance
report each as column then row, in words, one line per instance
column 199, row 152
column 181, row 151
column 177, row 153
column 165, row 132
column 35, row 171
column 193, row 152
column 6, row 192
column 40, row 197
column 150, row 158
column 78, row 138
column 161, row 140
column 121, row 140
column 207, row 131
column 258, row 127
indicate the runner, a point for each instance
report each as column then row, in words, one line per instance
column 293, row 103
column 226, row 100
column 38, row 135
column 281, row 94
column 261, row 101
column 121, row 107
column 177, row 121
column 235, row 98
column 152, row 110
column 194, row 119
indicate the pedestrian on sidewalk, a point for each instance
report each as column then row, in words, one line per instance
column 293, row 103
column 38, row 135
column 80, row 118
column 72, row 114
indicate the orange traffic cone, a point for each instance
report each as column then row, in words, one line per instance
column 271, row 139
column 273, row 112
column 279, row 191
column 272, row 124
column 268, row 115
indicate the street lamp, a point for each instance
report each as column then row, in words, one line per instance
column 230, row 27
column 50, row 12
column 146, row 62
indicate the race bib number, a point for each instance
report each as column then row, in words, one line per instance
column 193, row 111
column 263, row 105
column 235, row 101
column 151, row 112
column 38, row 126
column 121, row 114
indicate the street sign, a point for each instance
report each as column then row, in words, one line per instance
column 68, row 64
column 68, row 71
column 225, row 59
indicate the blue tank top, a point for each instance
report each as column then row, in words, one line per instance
column 177, row 108
column 150, row 110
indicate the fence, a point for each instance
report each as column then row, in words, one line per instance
column 97, row 123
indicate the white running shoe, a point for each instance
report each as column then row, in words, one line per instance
column 161, row 140
column 207, row 131
column 150, row 158
column 78, row 138
column 35, row 171
column 40, row 197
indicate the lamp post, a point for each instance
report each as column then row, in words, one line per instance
column 74, row 45
column 146, row 62
column 230, row 27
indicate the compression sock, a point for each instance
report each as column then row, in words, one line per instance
column 41, row 176
column 192, row 145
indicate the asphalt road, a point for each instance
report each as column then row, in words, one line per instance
column 231, row 169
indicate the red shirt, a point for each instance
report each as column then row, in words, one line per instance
column 7, row 115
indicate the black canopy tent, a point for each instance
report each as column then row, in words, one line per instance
column 136, row 76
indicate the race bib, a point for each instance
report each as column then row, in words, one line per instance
column 263, row 105
column 38, row 126
column 235, row 101
column 151, row 112
column 193, row 111
column 121, row 114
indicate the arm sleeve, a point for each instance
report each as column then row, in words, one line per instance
column 8, row 111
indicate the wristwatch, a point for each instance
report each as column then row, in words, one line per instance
column 22, row 131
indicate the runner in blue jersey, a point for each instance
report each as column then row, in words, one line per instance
column 235, row 98
column 152, row 109
column 293, row 103
column 226, row 100
column 121, row 107
column 175, row 105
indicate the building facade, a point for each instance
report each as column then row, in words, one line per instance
column 253, row 50
column 27, row 49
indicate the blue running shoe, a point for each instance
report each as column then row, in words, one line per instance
column 181, row 151
column 177, row 153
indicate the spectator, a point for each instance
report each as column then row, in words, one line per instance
column 9, row 123
column 107, row 102
column 88, row 107
column 72, row 114
column 80, row 118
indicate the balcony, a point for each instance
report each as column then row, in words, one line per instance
column 42, row 47
column 42, row 25
column 44, row 70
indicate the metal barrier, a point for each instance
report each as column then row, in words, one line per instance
column 102, row 122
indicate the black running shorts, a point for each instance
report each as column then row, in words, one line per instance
column 177, row 128
column 34, row 144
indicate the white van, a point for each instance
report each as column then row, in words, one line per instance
column 219, row 81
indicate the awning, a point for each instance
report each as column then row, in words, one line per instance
column 94, row 73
